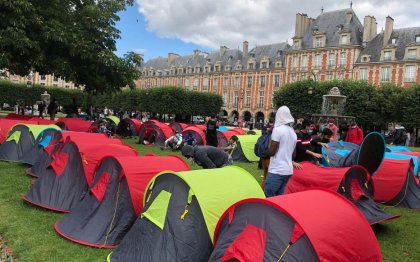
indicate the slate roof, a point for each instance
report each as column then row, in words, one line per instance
column 404, row 37
column 329, row 23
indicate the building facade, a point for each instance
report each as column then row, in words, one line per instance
column 44, row 80
column 335, row 45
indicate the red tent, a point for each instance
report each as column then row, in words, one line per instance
column 154, row 133
column 13, row 116
column 198, row 134
column 7, row 124
column 238, row 131
column 178, row 126
column 115, row 199
column 136, row 124
column 42, row 121
column 75, row 124
column 202, row 127
column 396, row 185
column 354, row 183
column 314, row 225
column 223, row 137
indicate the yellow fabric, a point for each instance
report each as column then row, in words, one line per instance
column 114, row 119
column 247, row 144
column 14, row 137
column 156, row 212
column 36, row 130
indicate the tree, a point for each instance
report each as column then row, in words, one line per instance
column 73, row 39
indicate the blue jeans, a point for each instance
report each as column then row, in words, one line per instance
column 275, row 184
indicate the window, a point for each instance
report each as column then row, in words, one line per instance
column 363, row 74
column 215, row 84
column 250, row 65
column 249, row 82
column 236, row 99
column 55, row 79
column 412, row 53
column 262, row 81
column 248, row 99
column 225, row 97
column 55, row 85
column 342, row 58
column 331, row 60
column 385, row 73
column 67, row 86
column 293, row 77
column 217, row 68
column 393, row 41
column 264, row 65
column 304, row 62
column 417, row 38
column 197, row 69
column 180, row 71
column 227, row 68
column 276, row 81
column 329, row 76
column 295, row 61
column 195, row 85
column 43, row 84
column 410, row 73
column 317, row 62
column 237, row 82
column 225, row 82
column 205, row 83
column 318, row 42
column 344, row 39
column 387, row 55
column 43, row 77
column 187, row 82
column 261, row 100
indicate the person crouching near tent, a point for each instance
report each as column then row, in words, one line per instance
column 231, row 145
column 207, row 156
column 281, row 165
column 103, row 128
column 321, row 141
column 189, row 139
column 174, row 142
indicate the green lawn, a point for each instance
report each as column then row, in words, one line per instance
column 29, row 231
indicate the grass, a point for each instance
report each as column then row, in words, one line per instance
column 29, row 232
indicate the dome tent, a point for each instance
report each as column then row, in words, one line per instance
column 181, row 212
column 314, row 225
column 154, row 133
column 244, row 150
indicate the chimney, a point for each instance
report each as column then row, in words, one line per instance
column 349, row 15
column 369, row 28
column 172, row 57
column 245, row 48
column 223, row 50
column 197, row 52
column 389, row 26
column 298, row 25
column 303, row 22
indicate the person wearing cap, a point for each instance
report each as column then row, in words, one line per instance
column 331, row 126
column 173, row 142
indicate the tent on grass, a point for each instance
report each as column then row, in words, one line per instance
column 254, row 132
column 395, row 149
column 223, row 138
column 176, row 126
column 354, row 183
column 75, row 124
column 128, row 127
column 135, row 125
column 396, row 185
column 113, row 119
column 22, row 142
column 114, row 201
column 13, row 116
column 197, row 133
column 222, row 128
column 154, row 133
column 415, row 156
column 42, row 121
column 7, row 124
column 369, row 154
column 55, row 145
column 180, row 214
column 70, row 174
column 314, row 225
column 239, row 131
column 244, row 150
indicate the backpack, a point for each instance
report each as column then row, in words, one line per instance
column 261, row 147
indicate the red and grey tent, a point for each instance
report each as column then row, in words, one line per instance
column 114, row 200
column 22, row 143
column 13, row 116
column 154, row 133
column 55, row 145
column 239, row 131
column 135, row 125
column 7, row 124
column 180, row 213
column 176, row 126
column 128, row 127
column 223, row 137
column 354, row 183
column 396, row 185
column 70, row 174
column 75, row 124
column 42, row 121
column 197, row 133
column 314, row 225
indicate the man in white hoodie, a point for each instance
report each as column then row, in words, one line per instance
column 281, row 148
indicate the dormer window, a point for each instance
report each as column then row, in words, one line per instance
column 217, row 68
column 344, row 39
column 251, row 65
column 279, row 53
column 264, row 64
column 387, row 55
column 365, row 58
column 238, row 67
column 417, row 38
column 394, row 41
column 180, row 70
column 318, row 42
column 412, row 53
column 227, row 68
column 197, row 69
column 278, row 64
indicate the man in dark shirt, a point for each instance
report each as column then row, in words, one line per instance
column 321, row 141
column 303, row 145
column 211, row 132
column 207, row 156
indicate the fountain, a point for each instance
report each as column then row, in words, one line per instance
column 332, row 107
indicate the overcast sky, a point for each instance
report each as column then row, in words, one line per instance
column 179, row 25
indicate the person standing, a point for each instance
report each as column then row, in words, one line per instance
column 211, row 132
column 41, row 109
column 354, row 134
column 52, row 109
column 331, row 126
column 282, row 145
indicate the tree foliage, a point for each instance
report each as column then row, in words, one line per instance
column 73, row 39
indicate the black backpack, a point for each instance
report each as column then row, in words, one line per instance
column 261, row 147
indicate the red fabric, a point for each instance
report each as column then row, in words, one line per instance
column 354, row 135
column 248, row 246
column 334, row 129
column 59, row 163
column 202, row 127
column 137, row 123
column 100, row 187
column 140, row 170
column 296, row 233
column 42, row 121
column 197, row 131
column 314, row 176
column 390, row 178
column 13, row 116
column 7, row 124
column 356, row 191
column 239, row 131
column 167, row 130
column 75, row 124
column 92, row 154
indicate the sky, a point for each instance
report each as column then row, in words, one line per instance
column 157, row 27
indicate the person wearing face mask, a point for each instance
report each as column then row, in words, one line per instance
column 354, row 134
column 331, row 126
column 321, row 141
column 303, row 146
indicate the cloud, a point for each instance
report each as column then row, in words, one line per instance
column 212, row 23
column 140, row 50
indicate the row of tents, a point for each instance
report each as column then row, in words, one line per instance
column 116, row 198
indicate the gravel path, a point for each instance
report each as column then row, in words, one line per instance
column 5, row 252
